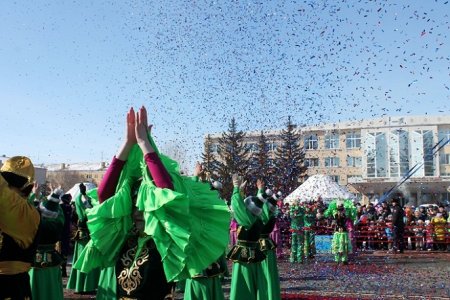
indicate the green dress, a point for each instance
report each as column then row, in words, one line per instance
column 178, row 221
column 247, row 279
column 45, row 274
column 107, row 289
column 83, row 282
column 208, row 284
column 268, row 246
column 297, row 215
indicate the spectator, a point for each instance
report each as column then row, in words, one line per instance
column 429, row 235
column 398, row 226
column 441, row 209
column 389, row 233
column 419, row 231
column 439, row 224
column 67, row 230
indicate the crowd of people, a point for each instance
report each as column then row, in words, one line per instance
column 372, row 227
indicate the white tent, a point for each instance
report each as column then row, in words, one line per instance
column 75, row 190
column 318, row 186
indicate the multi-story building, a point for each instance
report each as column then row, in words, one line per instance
column 67, row 175
column 371, row 156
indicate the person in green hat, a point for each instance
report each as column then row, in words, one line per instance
column 19, row 222
column 45, row 275
column 247, row 279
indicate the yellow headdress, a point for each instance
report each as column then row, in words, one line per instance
column 20, row 165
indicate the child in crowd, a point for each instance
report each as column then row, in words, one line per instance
column 419, row 234
column 388, row 231
column 371, row 235
column 428, row 235
column 380, row 233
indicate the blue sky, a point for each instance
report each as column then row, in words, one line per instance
column 70, row 69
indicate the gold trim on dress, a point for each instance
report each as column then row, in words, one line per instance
column 130, row 277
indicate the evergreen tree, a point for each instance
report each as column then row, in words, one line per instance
column 260, row 162
column 233, row 157
column 289, row 159
column 208, row 158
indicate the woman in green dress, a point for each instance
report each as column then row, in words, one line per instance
column 83, row 282
column 267, row 245
column 152, row 222
column 247, row 279
column 208, row 283
column 45, row 274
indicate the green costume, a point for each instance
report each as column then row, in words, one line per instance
column 208, row 284
column 83, row 281
column 297, row 214
column 247, row 279
column 341, row 244
column 45, row 274
column 308, row 230
column 107, row 288
column 268, row 246
column 177, row 223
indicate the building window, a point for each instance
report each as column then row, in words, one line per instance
column 331, row 161
column 445, row 159
column 428, row 149
column 353, row 140
column 311, row 162
column 354, row 178
column 214, row 148
column 335, row 178
column 444, row 135
column 354, row 161
column 332, row 141
column 311, row 142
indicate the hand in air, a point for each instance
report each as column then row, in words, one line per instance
column 141, row 126
column 260, row 184
column 130, row 137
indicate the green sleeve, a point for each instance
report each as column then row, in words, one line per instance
column 266, row 214
column 241, row 214
column 79, row 208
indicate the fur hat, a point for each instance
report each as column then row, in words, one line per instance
column 49, row 208
column 254, row 205
column 215, row 184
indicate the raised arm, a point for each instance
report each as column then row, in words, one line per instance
column 159, row 173
column 109, row 182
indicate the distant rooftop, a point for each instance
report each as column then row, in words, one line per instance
column 87, row 166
